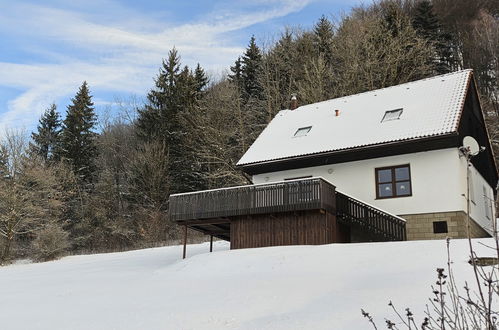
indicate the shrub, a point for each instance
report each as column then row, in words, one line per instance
column 50, row 243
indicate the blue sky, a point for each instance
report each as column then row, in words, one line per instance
column 48, row 48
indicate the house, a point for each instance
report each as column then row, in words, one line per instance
column 380, row 165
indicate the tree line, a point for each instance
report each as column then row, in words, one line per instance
column 76, row 187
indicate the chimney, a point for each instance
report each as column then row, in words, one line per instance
column 294, row 102
column 337, row 112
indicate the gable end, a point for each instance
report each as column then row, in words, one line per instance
column 472, row 123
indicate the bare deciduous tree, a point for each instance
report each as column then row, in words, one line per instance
column 29, row 193
column 371, row 54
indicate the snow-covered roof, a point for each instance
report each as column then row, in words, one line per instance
column 430, row 107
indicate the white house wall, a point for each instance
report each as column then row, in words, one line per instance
column 482, row 197
column 438, row 182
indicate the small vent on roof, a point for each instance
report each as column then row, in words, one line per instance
column 302, row 131
column 392, row 115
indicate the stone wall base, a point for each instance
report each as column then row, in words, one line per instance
column 420, row 226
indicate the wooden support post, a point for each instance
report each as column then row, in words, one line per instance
column 185, row 242
column 211, row 243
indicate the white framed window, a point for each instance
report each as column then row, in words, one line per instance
column 392, row 115
column 302, row 131
column 393, row 181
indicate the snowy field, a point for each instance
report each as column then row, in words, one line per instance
column 299, row 287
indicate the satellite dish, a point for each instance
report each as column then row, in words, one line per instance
column 470, row 144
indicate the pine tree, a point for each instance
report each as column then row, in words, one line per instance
column 425, row 21
column 428, row 26
column 46, row 139
column 187, row 89
column 250, row 71
column 323, row 39
column 163, row 119
column 157, row 120
column 77, row 142
column 201, row 79
column 237, row 76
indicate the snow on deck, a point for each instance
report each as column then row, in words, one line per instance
column 430, row 106
column 298, row 287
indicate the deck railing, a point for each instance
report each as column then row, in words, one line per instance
column 373, row 220
column 285, row 196
column 292, row 195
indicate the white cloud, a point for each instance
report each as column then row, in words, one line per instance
column 117, row 56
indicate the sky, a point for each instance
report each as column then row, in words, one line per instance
column 49, row 47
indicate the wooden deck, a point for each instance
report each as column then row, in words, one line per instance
column 214, row 211
column 293, row 195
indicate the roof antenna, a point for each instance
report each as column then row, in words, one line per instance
column 294, row 102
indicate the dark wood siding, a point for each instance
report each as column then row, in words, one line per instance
column 472, row 123
column 290, row 228
column 295, row 212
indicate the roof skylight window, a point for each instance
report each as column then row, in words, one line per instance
column 302, row 131
column 392, row 115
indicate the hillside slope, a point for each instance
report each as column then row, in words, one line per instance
column 299, row 287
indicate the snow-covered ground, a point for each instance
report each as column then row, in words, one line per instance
column 298, row 287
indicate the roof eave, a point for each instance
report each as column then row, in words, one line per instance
column 441, row 141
